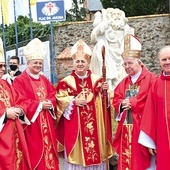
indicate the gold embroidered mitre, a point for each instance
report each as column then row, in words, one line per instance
column 132, row 47
column 81, row 50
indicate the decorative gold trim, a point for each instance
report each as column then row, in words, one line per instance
column 18, row 152
column 5, row 97
column 131, row 53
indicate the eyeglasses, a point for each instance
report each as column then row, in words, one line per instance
column 2, row 65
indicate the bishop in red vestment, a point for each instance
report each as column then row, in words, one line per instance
column 155, row 125
column 129, row 100
column 41, row 102
column 81, row 125
column 13, row 148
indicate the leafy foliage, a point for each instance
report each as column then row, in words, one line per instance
column 76, row 13
column 24, row 24
column 138, row 7
column 24, row 32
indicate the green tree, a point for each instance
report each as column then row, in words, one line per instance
column 77, row 12
column 23, row 28
column 39, row 30
column 138, row 7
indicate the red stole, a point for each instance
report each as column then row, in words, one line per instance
column 88, row 124
column 126, row 147
column 39, row 90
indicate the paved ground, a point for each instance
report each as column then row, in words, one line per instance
column 61, row 163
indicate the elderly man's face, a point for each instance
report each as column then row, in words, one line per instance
column 165, row 60
column 132, row 66
column 81, row 65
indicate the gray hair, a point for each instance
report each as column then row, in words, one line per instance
column 162, row 49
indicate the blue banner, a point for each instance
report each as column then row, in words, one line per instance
column 51, row 11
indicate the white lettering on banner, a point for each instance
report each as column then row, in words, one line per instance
column 50, row 18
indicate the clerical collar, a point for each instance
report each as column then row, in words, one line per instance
column 81, row 77
column 35, row 76
column 165, row 74
column 136, row 76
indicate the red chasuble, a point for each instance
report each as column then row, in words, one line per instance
column 156, row 120
column 83, row 125
column 40, row 135
column 132, row 155
column 13, row 148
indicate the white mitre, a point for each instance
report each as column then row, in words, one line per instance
column 35, row 50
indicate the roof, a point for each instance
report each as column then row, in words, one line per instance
column 66, row 53
column 94, row 5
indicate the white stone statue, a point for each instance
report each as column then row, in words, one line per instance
column 110, row 27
